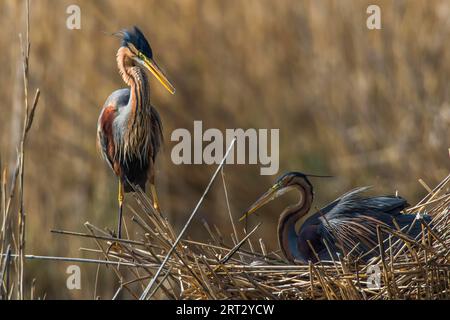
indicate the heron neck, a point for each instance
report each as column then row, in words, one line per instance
column 136, row 141
column 287, row 234
column 139, row 92
column 136, row 78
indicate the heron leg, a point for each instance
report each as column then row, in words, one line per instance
column 154, row 197
column 120, row 199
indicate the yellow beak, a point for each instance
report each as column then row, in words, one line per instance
column 151, row 65
column 268, row 196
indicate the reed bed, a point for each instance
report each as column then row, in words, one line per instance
column 240, row 268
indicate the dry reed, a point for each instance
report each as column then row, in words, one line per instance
column 13, row 231
column 408, row 268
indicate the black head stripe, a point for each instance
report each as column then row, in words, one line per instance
column 135, row 37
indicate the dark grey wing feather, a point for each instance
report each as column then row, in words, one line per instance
column 332, row 205
column 354, row 203
column 351, row 223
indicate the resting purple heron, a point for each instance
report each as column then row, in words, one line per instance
column 129, row 132
column 347, row 225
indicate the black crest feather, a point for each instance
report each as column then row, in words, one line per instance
column 135, row 36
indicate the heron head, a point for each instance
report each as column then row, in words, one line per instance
column 283, row 184
column 139, row 51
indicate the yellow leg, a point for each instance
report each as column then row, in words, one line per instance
column 154, row 197
column 120, row 199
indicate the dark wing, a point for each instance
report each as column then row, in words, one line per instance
column 353, row 203
column 314, row 219
column 351, row 223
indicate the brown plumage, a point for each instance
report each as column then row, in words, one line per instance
column 129, row 133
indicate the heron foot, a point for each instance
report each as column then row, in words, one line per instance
column 120, row 199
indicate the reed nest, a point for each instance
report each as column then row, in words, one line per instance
column 404, row 268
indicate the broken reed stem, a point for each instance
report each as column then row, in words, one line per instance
column 22, row 214
column 147, row 289
column 228, row 206
column 25, row 47
column 236, row 248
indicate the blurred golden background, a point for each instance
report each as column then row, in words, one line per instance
column 370, row 107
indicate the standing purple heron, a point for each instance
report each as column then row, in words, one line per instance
column 347, row 225
column 129, row 132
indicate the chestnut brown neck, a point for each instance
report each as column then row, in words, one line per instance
column 287, row 235
column 136, row 137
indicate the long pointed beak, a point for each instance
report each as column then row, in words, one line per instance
column 268, row 196
column 151, row 65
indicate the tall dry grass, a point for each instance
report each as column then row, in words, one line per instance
column 370, row 107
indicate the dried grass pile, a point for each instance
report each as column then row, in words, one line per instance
column 242, row 269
